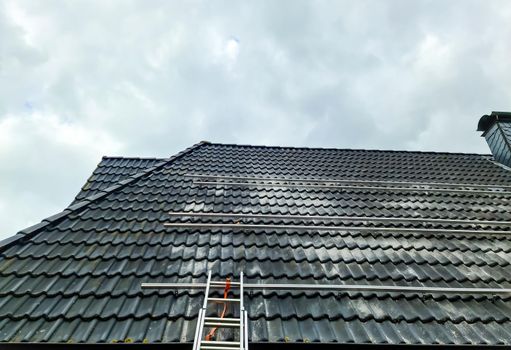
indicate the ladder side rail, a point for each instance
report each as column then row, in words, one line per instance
column 206, row 296
column 196, row 339
column 203, row 311
column 242, row 343
column 242, row 334
column 245, row 328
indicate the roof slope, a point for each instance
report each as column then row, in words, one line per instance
column 111, row 170
column 77, row 278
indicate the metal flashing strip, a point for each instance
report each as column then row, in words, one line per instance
column 332, row 228
column 340, row 218
column 337, row 288
column 349, row 185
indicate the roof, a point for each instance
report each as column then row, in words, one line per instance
column 111, row 170
column 75, row 278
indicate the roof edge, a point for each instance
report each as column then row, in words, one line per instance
column 34, row 229
column 349, row 149
column 134, row 157
column 305, row 345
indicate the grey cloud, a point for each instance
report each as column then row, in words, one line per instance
column 150, row 78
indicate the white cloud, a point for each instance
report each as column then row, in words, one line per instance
column 44, row 161
column 433, row 57
column 83, row 79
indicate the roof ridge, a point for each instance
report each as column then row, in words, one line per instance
column 32, row 230
column 346, row 149
column 138, row 158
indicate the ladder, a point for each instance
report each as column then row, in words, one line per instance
column 204, row 322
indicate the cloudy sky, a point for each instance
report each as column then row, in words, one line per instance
column 83, row 79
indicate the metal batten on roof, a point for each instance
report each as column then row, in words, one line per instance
column 337, row 288
column 345, row 218
column 350, row 185
column 333, row 228
column 348, row 181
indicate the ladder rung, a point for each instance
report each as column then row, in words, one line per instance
column 220, row 342
column 221, row 324
column 225, row 300
column 214, row 347
column 219, row 319
column 223, row 283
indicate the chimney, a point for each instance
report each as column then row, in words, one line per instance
column 496, row 129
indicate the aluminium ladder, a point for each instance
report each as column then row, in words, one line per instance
column 239, row 323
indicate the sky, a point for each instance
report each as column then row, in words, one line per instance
column 84, row 79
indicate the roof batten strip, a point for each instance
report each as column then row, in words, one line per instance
column 350, row 187
column 346, row 218
column 338, row 288
column 347, row 181
column 332, row 228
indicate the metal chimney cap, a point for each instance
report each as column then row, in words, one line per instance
column 487, row 121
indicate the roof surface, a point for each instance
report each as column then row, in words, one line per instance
column 76, row 277
column 111, row 170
